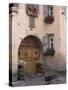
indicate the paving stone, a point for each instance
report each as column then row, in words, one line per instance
column 40, row 80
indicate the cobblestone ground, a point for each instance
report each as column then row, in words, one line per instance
column 39, row 80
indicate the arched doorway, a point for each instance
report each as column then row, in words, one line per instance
column 29, row 53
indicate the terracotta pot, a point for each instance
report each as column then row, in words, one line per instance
column 49, row 19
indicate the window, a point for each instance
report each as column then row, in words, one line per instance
column 51, row 42
column 48, row 41
column 31, row 22
column 48, row 44
column 48, row 14
column 48, row 10
column 45, row 43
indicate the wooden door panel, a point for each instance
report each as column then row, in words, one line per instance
column 27, row 53
column 36, row 53
column 30, row 55
column 30, row 67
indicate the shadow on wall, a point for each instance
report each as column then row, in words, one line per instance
column 57, row 62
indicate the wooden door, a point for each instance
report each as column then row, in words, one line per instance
column 30, row 55
column 29, row 52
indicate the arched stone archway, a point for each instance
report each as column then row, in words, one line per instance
column 30, row 52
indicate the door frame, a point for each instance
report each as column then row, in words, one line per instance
column 38, row 41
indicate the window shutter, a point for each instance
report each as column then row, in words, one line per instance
column 45, row 10
column 45, row 43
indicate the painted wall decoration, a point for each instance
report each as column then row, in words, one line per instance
column 32, row 10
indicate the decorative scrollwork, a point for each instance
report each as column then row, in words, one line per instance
column 13, row 7
column 32, row 10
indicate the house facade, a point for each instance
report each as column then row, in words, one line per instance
column 37, row 33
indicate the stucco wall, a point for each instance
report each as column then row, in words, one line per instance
column 20, row 29
column 58, row 62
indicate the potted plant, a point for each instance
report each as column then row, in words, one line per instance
column 50, row 51
column 21, row 72
column 50, row 75
column 49, row 19
column 39, row 68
